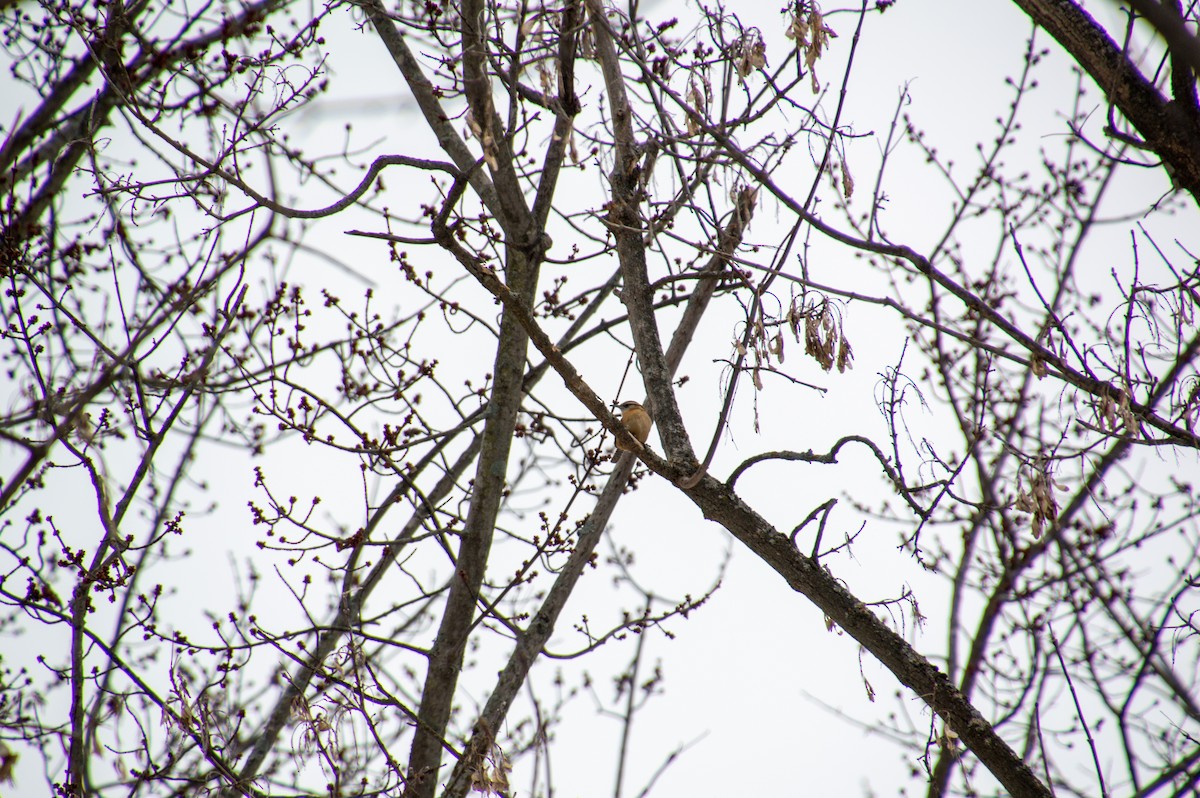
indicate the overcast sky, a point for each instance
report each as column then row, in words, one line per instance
column 765, row 699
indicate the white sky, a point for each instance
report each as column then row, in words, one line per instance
column 746, row 674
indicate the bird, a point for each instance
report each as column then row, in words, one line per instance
column 637, row 420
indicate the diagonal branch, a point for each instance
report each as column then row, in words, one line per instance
column 626, row 226
column 803, row 574
column 533, row 640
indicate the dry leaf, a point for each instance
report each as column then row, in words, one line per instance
column 811, row 35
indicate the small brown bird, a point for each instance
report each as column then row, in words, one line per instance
column 637, row 420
